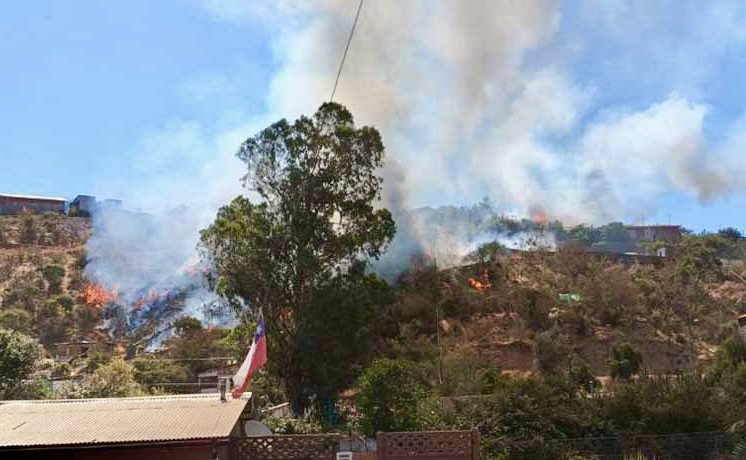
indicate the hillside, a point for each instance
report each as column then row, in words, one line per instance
column 42, row 258
column 518, row 311
column 539, row 311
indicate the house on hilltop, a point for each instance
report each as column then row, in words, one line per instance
column 154, row 427
column 667, row 235
column 15, row 204
column 86, row 205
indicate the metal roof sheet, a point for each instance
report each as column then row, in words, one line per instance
column 32, row 197
column 118, row 420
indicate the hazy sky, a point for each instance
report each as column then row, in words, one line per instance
column 587, row 108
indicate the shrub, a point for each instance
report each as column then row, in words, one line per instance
column 389, row 396
column 113, row 380
column 288, row 425
column 551, row 351
column 152, row 372
column 16, row 319
column 53, row 275
column 62, row 371
column 625, row 361
column 533, row 306
column 28, row 230
column 86, row 318
column 582, row 377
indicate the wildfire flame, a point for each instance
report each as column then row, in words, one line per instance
column 150, row 298
column 98, row 295
column 482, row 283
column 539, row 216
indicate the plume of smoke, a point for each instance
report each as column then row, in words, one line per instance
column 465, row 111
column 150, row 260
column 471, row 101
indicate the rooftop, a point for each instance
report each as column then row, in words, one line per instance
column 118, row 420
column 32, row 197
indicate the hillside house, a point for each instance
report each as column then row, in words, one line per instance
column 84, row 204
column 186, row 427
column 16, row 204
column 64, row 351
column 668, row 234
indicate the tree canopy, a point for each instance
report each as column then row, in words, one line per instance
column 299, row 252
column 18, row 356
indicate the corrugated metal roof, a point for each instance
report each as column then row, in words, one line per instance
column 32, row 197
column 118, row 420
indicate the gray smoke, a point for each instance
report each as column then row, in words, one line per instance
column 473, row 98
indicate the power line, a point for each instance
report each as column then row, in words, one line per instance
column 347, row 48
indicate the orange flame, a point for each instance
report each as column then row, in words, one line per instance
column 539, row 216
column 98, row 295
column 481, row 284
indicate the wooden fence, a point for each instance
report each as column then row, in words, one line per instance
column 428, row 445
column 287, row 447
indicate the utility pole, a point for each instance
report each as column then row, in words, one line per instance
column 436, row 297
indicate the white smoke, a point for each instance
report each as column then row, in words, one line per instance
column 473, row 98
column 150, row 261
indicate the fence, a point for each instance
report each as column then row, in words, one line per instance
column 428, row 445
column 288, row 447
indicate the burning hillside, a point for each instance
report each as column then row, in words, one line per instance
column 146, row 274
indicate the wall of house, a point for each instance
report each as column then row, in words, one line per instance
column 12, row 205
column 196, row 452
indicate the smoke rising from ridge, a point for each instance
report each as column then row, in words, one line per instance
column 473, row 98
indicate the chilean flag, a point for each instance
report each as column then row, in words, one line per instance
column 256, row 358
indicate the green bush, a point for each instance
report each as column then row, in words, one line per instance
column 150, row 373
column 19, row 354
column 53, row 275
column 390, row 393
column 288, row 425
column 113, row 380
column 625, row 361
column 16, row 319
column 62, row 371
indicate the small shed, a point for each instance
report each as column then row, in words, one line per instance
column 186, row 427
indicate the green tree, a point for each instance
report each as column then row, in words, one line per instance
column 18, row 356
column 487, row 252
column 389, row 396
column 296, row 253
column 152, row 373
column 582, row 377
column 191, row 340
column 625, row 361
column 730, row 233
column 113, row 380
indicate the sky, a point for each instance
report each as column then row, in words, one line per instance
column 590, row 110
